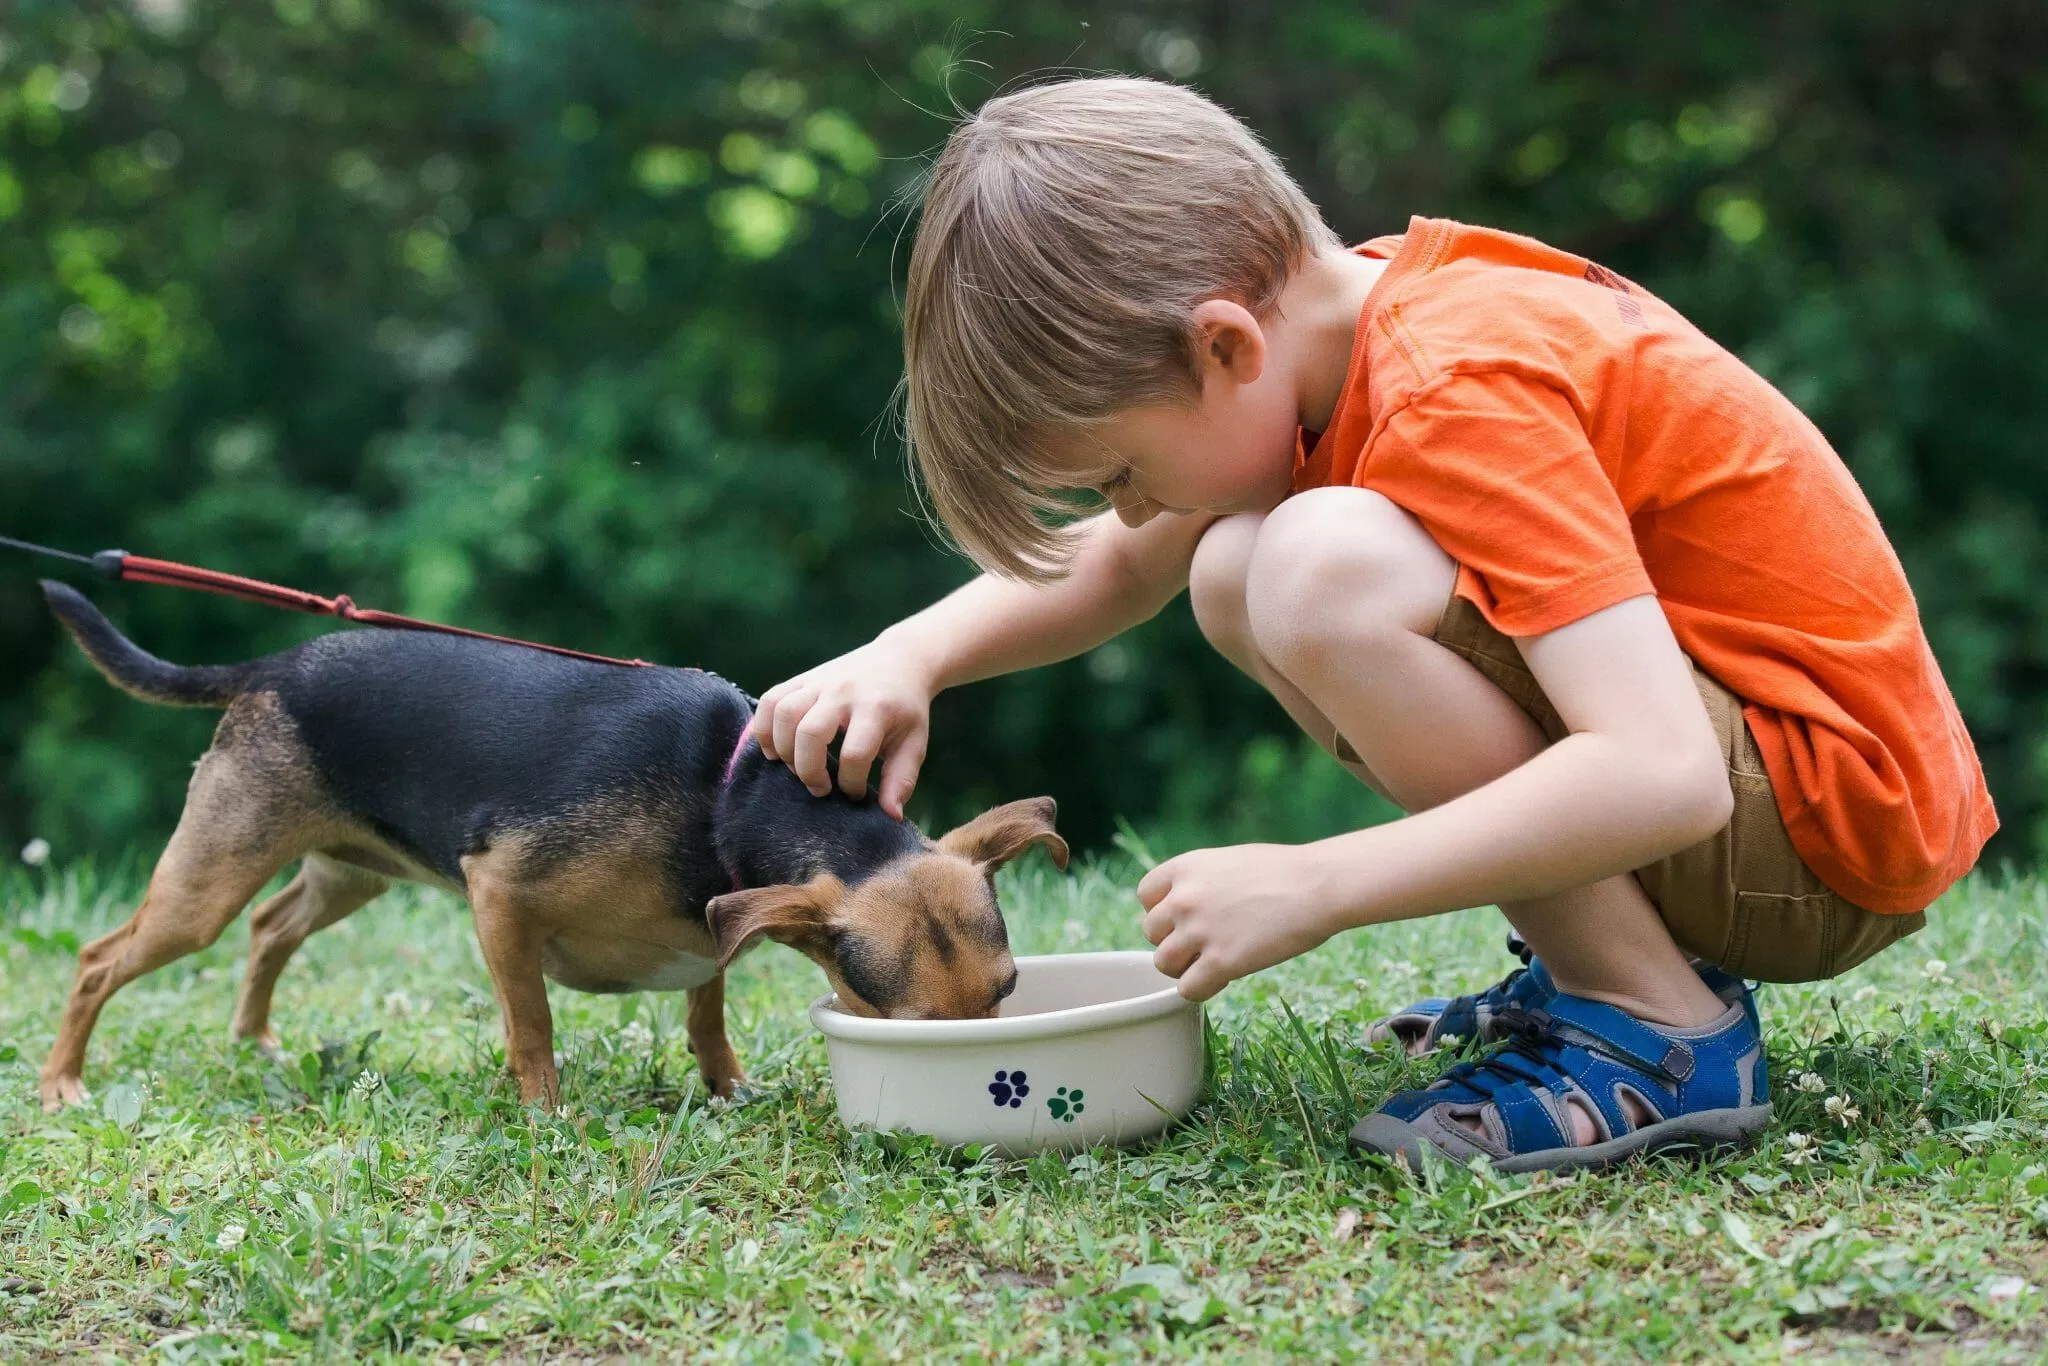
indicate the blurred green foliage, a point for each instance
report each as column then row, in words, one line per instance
column 578, row 322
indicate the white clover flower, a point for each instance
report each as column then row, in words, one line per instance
column 397, row 1004
column 1923, row 1125
column 1864, row 993
column 1935, row 968
column 1841, row 1111
column 36, row 852
column 1800, row 1149
column 1936, row 1056
column 230, row 1238
column 367, row 1083
column 1810, row 1081
column 2005, row 1288
column 636, row 1038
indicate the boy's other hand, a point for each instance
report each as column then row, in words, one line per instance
column 878, row 696
column 1216, row 915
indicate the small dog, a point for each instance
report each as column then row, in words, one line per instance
column 613, row 829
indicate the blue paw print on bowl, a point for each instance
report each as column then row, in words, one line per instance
column 1009, row 1088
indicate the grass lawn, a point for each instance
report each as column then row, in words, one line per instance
column 209, row 1203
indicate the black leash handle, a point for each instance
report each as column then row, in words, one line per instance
column 107, row 564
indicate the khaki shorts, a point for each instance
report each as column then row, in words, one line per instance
column 1743, row 899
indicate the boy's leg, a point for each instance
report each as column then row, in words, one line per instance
column 1216, row 582
column 1341, row 592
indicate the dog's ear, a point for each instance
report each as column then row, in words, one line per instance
column 995, row 837
column 798, row 914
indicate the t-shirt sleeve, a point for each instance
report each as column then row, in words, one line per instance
column 1498, row 469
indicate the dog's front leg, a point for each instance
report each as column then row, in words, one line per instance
column 715, row 1058
column 512, row 943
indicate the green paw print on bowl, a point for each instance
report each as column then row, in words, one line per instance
column 1065, row 1104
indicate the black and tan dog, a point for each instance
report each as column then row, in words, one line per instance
column 611, row 827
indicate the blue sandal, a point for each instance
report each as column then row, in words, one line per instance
column 1431, row 1023
column 1701, row 1088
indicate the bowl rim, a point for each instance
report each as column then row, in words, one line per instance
column 837, row 1024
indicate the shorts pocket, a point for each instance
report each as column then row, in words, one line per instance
column 1807, row 938
column 1782, row 938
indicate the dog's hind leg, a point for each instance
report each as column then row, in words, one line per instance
column 706, row 1024
column 325, row 890
column 234, row 835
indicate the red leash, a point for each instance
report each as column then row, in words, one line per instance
column 123, row 567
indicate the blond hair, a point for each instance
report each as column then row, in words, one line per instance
column 1068, row 232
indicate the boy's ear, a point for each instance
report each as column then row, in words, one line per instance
column 797, row 914
column 1231, row 341
column 995, row 837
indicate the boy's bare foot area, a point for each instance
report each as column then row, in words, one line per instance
column 1583, row 1131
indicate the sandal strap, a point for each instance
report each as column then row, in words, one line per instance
column 1527, row 1085
column 1606, row 1029
column 1580, row 1048
column 1531, row 1125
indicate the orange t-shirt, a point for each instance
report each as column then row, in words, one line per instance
column 1573, row 442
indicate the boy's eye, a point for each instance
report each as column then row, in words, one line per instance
column 1114, row 485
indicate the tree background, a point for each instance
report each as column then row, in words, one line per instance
column 579, row 322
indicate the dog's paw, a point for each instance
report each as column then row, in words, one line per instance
column 729, row 1089
column 538, row 1087
column 266, row 1044
column 59, row 1092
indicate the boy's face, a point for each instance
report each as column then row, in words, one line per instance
column 1230, row 451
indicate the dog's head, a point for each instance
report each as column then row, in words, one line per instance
column 919, row 939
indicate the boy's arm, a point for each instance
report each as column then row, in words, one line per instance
column 1640, row 776
column 880, row 694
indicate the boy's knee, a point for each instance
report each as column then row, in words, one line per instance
column 1338, row 567
column 1216, row 582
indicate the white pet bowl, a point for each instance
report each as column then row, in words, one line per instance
column 1091, row 1048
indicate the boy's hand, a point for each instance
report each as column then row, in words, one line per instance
column 1220, row 914
column 880, row 696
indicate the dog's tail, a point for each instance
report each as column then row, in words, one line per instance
column 134, row 670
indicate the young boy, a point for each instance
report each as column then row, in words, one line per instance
column 1520, row 546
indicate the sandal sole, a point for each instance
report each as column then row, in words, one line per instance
column 1383, row 1135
